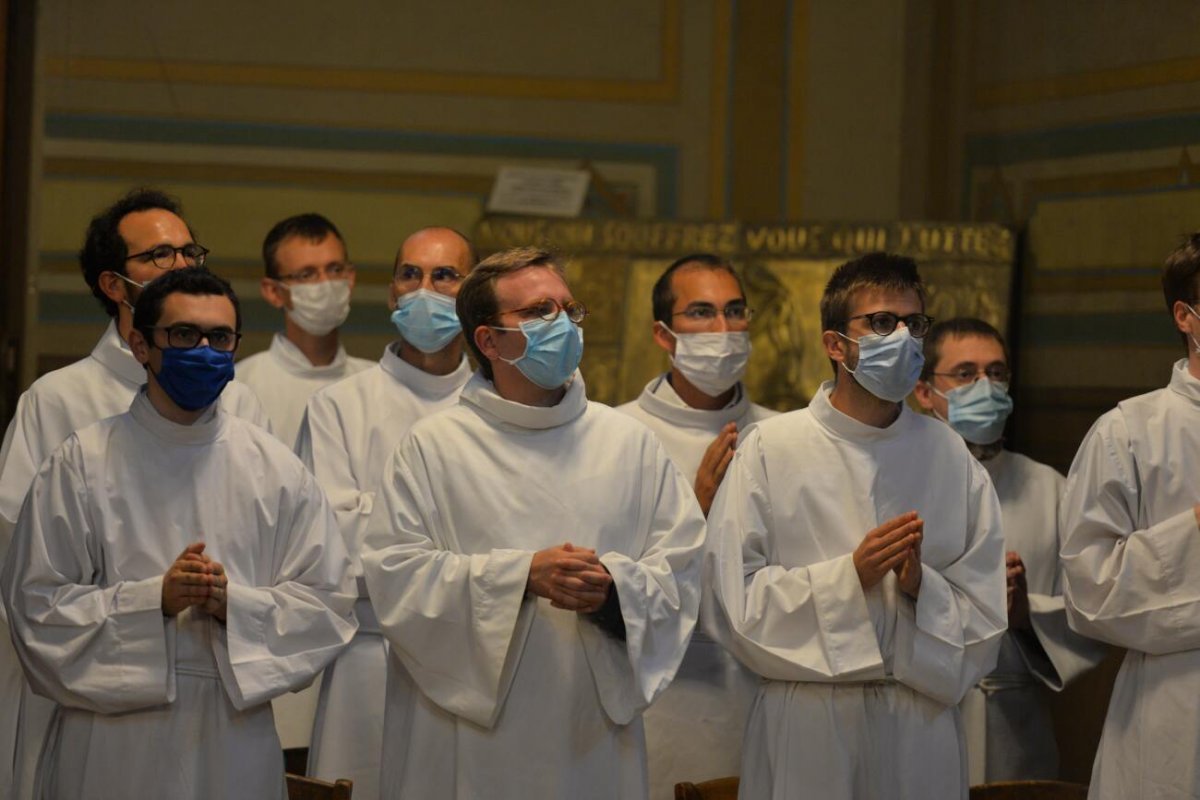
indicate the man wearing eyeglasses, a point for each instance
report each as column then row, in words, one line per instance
column 1010, row 732
column 310, row 278
column 348, row 432
column 698, row 409
column 173, row 569
column 128, row 244
column 855, row 562
column 533, row 560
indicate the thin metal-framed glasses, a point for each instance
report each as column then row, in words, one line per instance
column 186, row 337
column 163, row 255
column 332, row 272
column 969, row 373
column 548, row 309
column 884, row 322
column 736, row 312
column 444, row 279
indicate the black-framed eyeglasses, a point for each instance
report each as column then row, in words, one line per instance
column 163, row 255
column 884, row 322
column 548, row 309
column 186, row 337
column 969, row 373
column 736, row 312
column 332, row 272
column 442, row 278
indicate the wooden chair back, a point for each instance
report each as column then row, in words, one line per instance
column 719, row 789
column 302, row 788
column 1029, row 790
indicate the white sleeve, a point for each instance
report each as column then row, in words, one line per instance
column 658, row 585
column 456, row 621
column 949, row 638
column 1131, row 586
column 279, row 635
column 99, row 648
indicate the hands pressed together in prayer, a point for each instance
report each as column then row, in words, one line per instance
column 195, row 580
column 895, row 545
column 713, row 465
column 1018, row 591
column 570, row 577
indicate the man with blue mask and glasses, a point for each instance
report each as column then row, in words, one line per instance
column 138, row 238
column 533, row 560
column 1131, row 565
column 698, row 409
column 1009, row 728
column 855, row 562
column 347, row 434
column 174, row 568
column 309, row 277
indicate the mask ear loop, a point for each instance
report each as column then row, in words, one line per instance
column 1195, row 344
column 843, row 361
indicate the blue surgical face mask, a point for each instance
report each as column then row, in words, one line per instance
column 427, row 320
column 888, row 366
column 978, row 410
column 194, row 378
column 552, row 350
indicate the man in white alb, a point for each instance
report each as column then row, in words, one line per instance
column 173, row 568
column 698, row 409
column 855, row 562
column 349, row 431
column 533, row 561
column 1010, row 732
column 1131, row 565
column 309, row 277
column 127, row 244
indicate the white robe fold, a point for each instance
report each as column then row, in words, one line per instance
column 694, row 730
column 861, row 688
column 1131, row 577
column 491, row 691
column 55, row 406
column 155, row 706
column 1010, row 732
column 349, row 431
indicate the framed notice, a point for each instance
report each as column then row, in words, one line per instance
column 539, row 191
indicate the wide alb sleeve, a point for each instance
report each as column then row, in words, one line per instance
column 83, row 645
column 280, row 634
column 803, row 623
column 658, row 583
column 949, row 638
column 1131, row 585
column 20, row 456
column 456, row 621
column 321, row 445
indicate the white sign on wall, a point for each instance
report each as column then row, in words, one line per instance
column 539, row 191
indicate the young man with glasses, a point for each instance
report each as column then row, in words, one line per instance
column 1010, row 732
column 698, row 409
column 310, row 278
column 855, row 563
column 174, row 568
column 533, row 559
column 348, row 432
column 128, row 244
column 1131, row 565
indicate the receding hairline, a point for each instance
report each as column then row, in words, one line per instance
column 433, row 230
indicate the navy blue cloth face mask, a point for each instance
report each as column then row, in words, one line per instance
column 194, row 377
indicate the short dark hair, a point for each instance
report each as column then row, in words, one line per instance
column 311, row 226
column 956, row 327
column 103, row 248
column 876, row 270
column 1179, row 276
column 188, row 280
column 472, row 253
column 477, row 305
column 663, row 296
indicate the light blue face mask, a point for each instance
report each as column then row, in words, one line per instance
column 427, row 320
column 978, row 410
column 552, row 350
column 888, row 366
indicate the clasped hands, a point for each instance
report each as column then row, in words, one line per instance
column 194, row 579
column 571, row 578
column 896, row 546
